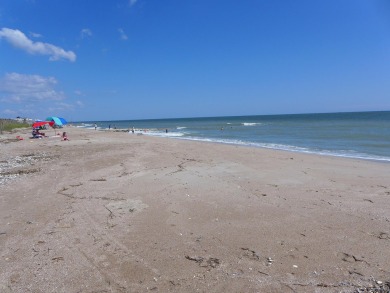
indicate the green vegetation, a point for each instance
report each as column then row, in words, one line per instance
column 10, row 124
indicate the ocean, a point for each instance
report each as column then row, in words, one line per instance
column 363, row 135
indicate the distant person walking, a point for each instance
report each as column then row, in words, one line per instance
column 95, row 126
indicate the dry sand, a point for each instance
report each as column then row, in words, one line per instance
column 117, row 212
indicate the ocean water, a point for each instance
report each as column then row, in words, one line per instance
column 364, row 135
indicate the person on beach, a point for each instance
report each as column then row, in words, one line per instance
column 132, row 130
column 64, row 136
column 37, row 134
column 95, row 126
column 41, row 133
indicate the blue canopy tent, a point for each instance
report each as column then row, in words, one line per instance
column 58, row 121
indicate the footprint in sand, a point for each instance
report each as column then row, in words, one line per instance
column 129, row 205
column 67, row 190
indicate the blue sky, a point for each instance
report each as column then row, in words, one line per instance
column 141, row 59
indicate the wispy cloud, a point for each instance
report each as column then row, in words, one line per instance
column 61, row 106
column 78, row 92
column 19, row 40
column 85, row 33
column 9, row 112
column 35, row 35
column 33, row 95
column 21, row 88
column 122, row 34
column 132, row 2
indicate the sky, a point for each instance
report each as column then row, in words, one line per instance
column 88, row 60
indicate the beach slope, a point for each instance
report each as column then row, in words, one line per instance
column 116, row 212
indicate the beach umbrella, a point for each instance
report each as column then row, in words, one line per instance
column 63, row 120
column 41, row 123
column 56, row 120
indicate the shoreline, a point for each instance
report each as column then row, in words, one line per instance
column 361, row 135
column 114, row 211
column 365, row 157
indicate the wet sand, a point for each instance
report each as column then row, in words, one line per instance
column 118, row 212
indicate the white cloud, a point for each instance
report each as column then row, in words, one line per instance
column 61, row 106
column 35, row 35
column 9, row 112
column 20, row 88
column 57, row 107
column 34, row 96
column 122, row 33
column 19, row 40
column 85, row 33
column 132, row 2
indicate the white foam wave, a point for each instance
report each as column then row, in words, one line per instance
column 291, row 148
column 181, row 127
column 164, row 134
column 250, row 124
column 86, row 125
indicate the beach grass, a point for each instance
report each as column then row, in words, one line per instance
column 10, row 124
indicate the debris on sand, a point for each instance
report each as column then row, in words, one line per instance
column 211, row 262
column 251, row 254
column 14, row 167
column 377, row 287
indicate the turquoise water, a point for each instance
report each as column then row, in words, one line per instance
column 364, row 135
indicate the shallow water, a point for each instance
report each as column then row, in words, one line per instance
column 363, row 135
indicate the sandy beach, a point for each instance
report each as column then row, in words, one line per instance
column 117, row 212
